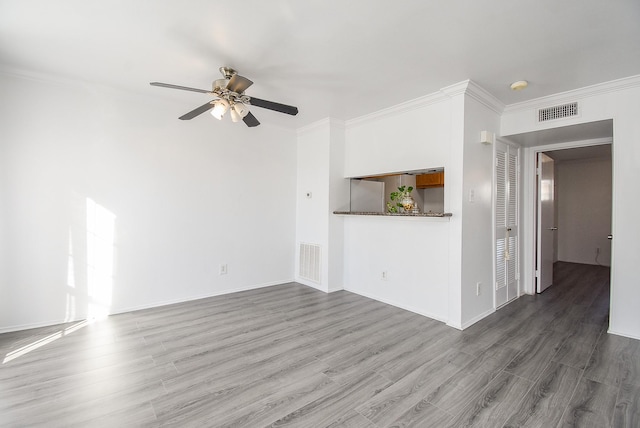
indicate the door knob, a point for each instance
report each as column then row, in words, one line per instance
column 609, row 237
column 552, row 228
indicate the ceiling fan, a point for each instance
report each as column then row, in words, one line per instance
column 231, row 97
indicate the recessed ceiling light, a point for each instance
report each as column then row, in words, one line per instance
column 519, row 85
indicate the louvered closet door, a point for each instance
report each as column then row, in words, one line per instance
column 506, row 223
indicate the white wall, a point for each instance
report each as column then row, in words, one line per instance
column 584, row 210
column 183, row 196
column 338, row 201
column 410, row 136
column 321, row 173
column 477, row 212
column 413, row 251
column 616, row 100
column 441, row 130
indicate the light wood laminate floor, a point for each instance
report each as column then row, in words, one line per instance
column 292, row 356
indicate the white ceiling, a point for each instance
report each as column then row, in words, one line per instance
column 602, row 151
column 340, row 59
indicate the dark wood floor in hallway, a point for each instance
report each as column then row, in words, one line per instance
column 292, row 356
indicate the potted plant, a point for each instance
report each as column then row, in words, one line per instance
column 401, row 199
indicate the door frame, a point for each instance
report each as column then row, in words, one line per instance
column 529, row 229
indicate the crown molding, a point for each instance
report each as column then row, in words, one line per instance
column 326, row 122
column 466, row 87
column 481, row 95
column 337, row 123
column 404, row 107
column 456, row 89
column 576, row 94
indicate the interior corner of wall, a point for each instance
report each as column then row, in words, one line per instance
column 455, row 324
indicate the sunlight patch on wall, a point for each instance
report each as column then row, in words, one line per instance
column 100, row 259
column 71, row 283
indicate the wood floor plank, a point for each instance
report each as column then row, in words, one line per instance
column 627, row 411
column 221, row 398
column 352, row 419
column 545, row 403
column 493, row 405
column 407, row 392
column 327, row 409
column 592, row 405
column 538, row 353
column 428, row 350
column 611, row 360
column 579, row 346
column 455, row 393
column 130, row 405
column 277, row 405
column 422, row 415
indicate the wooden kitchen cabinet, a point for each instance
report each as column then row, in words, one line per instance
column 426, row 181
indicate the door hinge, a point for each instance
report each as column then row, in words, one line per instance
column 537, row 274
column 538, row 171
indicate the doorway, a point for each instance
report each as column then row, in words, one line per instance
column 574, row 204
column 549, row 140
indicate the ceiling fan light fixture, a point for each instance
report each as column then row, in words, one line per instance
column 235, row 116
column 241, row 109
column 220, row 84
column 220, row 107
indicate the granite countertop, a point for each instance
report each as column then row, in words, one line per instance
column 427, row 214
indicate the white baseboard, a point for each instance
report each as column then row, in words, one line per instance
column 477, row 318
column 399, row 305
column 619, row 333
column 38, row 324
column 311, row 284
column 198, row 297
column 157, row 304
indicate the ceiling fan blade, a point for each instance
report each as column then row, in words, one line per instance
column 238, row 84
column 282, row 108
column 183, row 88
column 196, row 112
column 250, row 120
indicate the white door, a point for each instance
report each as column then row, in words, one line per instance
column 506, row 223
column 546, row 222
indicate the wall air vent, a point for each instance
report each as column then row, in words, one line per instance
column 310, row 262
column 557, row 112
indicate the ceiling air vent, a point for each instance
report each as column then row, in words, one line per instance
column 557, row 112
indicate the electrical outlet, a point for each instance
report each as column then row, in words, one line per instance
column 478, row 288
column 223, row 269
column 383, row 275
